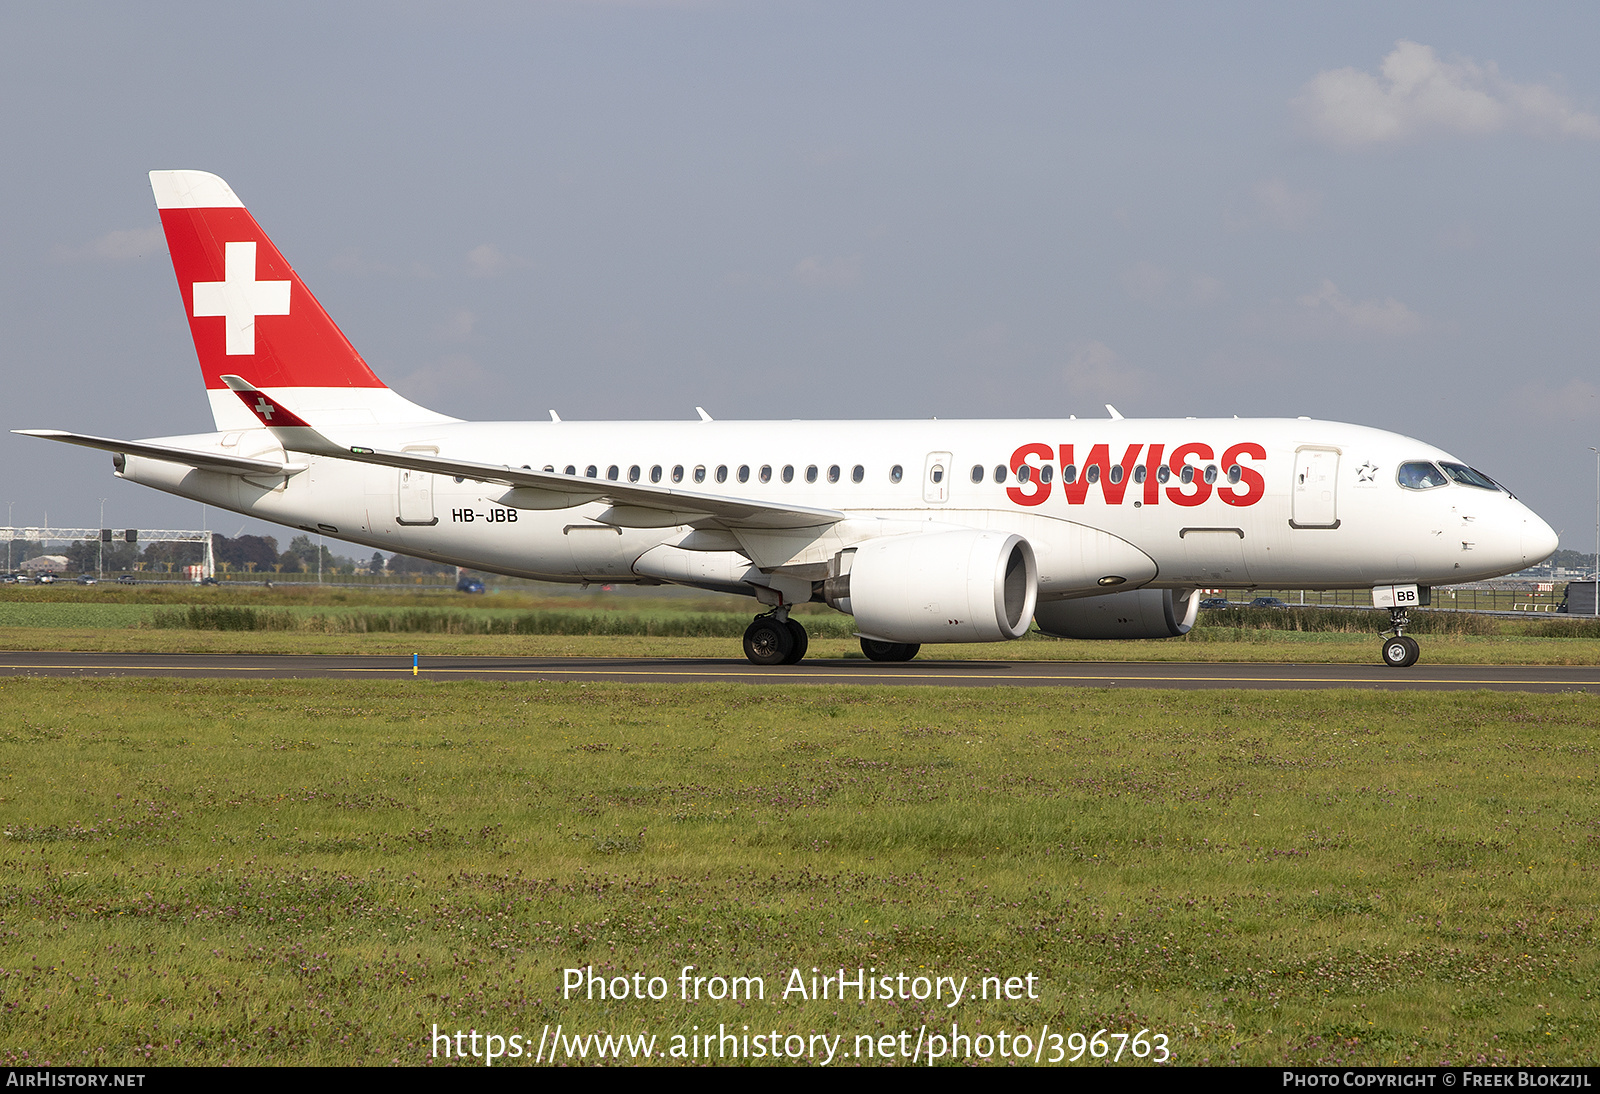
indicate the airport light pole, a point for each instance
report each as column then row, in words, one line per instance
column 1596, row 452
column 101, row 540
column 11, row 533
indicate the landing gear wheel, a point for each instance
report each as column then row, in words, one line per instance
column 888, row 651
column 801, row 641
column 1401, row 652
column 768, row 641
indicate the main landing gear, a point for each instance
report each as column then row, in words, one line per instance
column 1401, row 651
column 888, row 651
column 775, row 639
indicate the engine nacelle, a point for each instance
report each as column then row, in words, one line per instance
column 1138, row 613
column 963, row 586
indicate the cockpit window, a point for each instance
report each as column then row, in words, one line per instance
column 1467, row 476
column 1419, row 475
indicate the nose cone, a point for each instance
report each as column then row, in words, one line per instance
column 1539, row 540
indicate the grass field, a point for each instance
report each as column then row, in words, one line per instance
column 185, row 619
column 318, row 873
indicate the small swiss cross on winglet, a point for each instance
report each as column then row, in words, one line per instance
column 262, row 405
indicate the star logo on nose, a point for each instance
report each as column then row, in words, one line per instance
column 1367, row 472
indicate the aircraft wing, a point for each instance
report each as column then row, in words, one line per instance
column 205, row 461
column 633, row 504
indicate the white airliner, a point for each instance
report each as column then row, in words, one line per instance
column 924, row 531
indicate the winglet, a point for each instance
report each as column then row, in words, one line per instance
column 704, row 417
column 1116, row 416
column 292, row 431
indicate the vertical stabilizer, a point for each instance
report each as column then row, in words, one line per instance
column 250, row 313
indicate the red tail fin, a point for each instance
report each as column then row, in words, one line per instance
column 250, row 313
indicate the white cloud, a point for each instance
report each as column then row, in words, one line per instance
column 1094, row 371
column 352, row 261
column 1576, row 400
column 439, row 380
column 826, row 157
column 1282, row 206
column 833, row 273
column 1207, row 290
column 1387, row 317
column 117, row 246
column 487, row 260
column 457, row 326
column 1145, row 281
column 1416, row 94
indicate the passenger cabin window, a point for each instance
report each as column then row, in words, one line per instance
column 547, row 467
column 858, row 473
column 811, row 473
column 1139, row 473
column 1047, row 472
column 633, row 473
column 833, row 473
column 1163, row 473
column 677, row 473
column 722, row 473
column 571, row 469
column 896, row 473
column 1000, row 472
column 766, row 472
column 655, row 473
column 1419, row 475
column 1186, row 476
column 1092, row 473
column 1024, row 472
column 1211, row 473
column 788, row 472
column 977, row 472
column 1069, row 473
column 1116, row 473
column 591, row 472
column 700, row 473
column 744, row 472
column 611, row 472
column 937, row 474
column 1233, row 475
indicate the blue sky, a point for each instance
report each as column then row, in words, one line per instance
column 1375, row 213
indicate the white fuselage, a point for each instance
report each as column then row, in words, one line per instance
column 1315, row 505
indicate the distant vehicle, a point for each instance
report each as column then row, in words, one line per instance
column 85, row 579
column 127, row 579
column 1213, row 602
column 208, row 581
column 8, row 579
column 469, row 585
column 1267, row 602
column 47, row 579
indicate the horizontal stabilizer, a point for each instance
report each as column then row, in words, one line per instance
column 205, row 461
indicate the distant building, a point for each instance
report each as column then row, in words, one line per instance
column 49, row 564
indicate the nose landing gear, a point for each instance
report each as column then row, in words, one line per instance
column 1401, row 651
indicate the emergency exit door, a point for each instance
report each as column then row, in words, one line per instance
column 1316, row 474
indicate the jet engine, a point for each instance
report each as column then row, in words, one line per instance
column 1138, row 613
column 959, row 586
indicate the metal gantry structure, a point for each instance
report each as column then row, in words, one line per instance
column 46, row 535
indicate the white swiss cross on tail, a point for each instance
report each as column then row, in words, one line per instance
column 239, row 298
